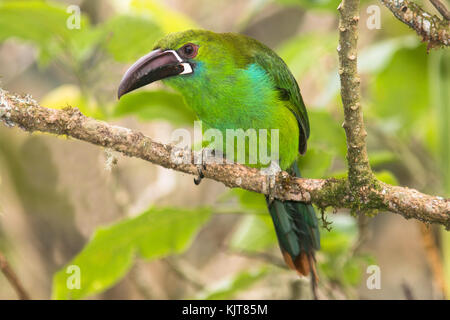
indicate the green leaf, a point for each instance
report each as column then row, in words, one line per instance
column 400, row 94
column 42, row 23
column 343, row 233
column 151, row 105
column 335, row 262
column 378, row 158
column 254, row 233
column 326, row 133
column 154, row 234
column 251, row 202
column 319, row 5
column 302, row 53
column 83, row 43
column 351, row 272
column 371, row 60
column 130, row 37
column 70, row 95
column 230, row 287
column 315, row 163
column 439, row 140
column 326, row 143
column 377, row 57
column 386, row 177
column 168, row 19
column 313, row 4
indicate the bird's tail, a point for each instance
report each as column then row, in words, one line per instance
column 297, row 231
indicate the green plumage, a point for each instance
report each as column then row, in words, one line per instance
column 239, row 83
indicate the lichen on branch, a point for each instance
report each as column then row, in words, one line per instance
column 27, row 114
column 433, row 30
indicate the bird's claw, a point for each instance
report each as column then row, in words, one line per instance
column 203, row 154
column 270, row 180
column 271, row 173
column 200, row 176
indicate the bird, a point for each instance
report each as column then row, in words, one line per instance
column 232, row 81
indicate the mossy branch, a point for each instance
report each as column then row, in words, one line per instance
column 27, row 114
column 359, row 172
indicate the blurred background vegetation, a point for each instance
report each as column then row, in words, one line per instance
column 138, row 231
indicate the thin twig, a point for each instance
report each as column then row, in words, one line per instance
column 433, row 30
column 434, row 257
column 140, row 285
column 441, row 8
column 407, row 291
column 363, row 234
column 184, row 272
column 261, row 256
column 13, row 279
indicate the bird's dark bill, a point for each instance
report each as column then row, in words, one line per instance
column 154, row 66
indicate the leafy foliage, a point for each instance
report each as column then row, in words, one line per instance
column 301, row 53
column 168, row 19
column 313, row 4
column 126, row 46
column 255, row 233
column 398, row 92
column 336, row 244
column 150, row 105
column 41, row 24
column 70, row 95
column 154, row 234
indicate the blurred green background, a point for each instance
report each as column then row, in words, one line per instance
column 138, row 231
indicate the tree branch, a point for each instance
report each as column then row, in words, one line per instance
column 25, row 113
column 359, row 172
column 360, row 175
column 11, row 276
column 432, row 29
column 441, row 8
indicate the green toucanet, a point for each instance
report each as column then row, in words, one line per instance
column 232, row 81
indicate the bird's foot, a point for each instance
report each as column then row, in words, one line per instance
column 271, row 173
column 202, row 158
column 200, row 176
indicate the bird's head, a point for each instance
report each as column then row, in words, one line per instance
column 180, row 58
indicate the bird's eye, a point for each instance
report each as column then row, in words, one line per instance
column 189, row 50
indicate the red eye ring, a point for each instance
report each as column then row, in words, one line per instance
column 189, row 51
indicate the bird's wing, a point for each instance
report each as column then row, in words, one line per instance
column 285, row 82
